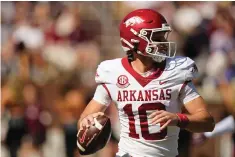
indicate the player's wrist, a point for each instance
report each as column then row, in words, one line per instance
column 183, row 120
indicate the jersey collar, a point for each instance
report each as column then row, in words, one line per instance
column 143, row 81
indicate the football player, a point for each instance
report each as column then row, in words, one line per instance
column 150, row 87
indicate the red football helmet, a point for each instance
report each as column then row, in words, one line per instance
column 146, row 31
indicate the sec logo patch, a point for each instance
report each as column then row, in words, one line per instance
column 123, row 81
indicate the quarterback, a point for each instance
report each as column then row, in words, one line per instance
column 151, row 88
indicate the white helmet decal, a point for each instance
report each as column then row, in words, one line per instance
column 133, row 20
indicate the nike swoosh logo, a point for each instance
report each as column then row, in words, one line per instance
column 162, row 82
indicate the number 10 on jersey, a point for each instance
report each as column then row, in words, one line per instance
column 144, row 126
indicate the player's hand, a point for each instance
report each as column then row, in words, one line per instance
column 164, row 117
column 89, row 120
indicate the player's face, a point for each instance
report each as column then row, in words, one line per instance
column 160, row 37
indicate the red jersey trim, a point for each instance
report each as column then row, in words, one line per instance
column 143, row 81
column 106, row 88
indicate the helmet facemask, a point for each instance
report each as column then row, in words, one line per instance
column 157, row 45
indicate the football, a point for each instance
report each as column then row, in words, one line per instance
column 94, row 138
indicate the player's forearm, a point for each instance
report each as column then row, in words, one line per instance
column 200, row 122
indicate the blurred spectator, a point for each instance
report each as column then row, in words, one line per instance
column 220, row 67
column 17, row 128
column 67, row 27
column 70, row 109
column 30, row 35
column 34, row 114
column 221, row 63
column 63, row 57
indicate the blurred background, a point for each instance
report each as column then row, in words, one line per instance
column 50, row 52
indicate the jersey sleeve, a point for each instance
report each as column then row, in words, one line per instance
column 102, row 95
column 188, row 92
column 103, row 78
column 191, row 70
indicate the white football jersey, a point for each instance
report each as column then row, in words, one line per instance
column 136, row 97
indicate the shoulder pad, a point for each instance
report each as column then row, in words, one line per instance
column 104, row 72
column 184, row 66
